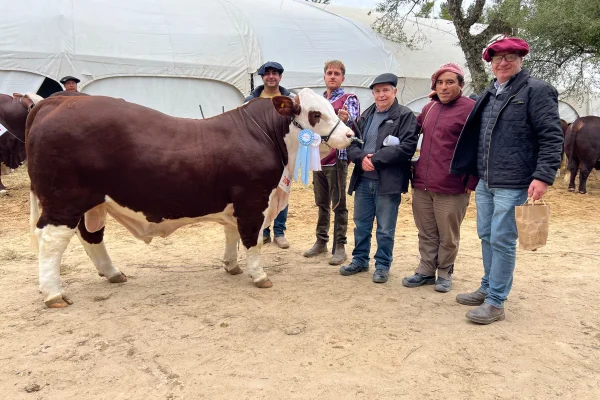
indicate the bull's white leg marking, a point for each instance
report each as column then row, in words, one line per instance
column 230, row 258
column 255, row 268
column 100, row 258
column 34, row 216
column 53, row 241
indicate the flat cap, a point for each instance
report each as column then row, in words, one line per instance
column 513, row 45
column 385, row 78
column 270, row 64
column 69, row 78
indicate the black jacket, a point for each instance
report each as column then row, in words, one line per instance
column 258, row 90
column 525, row 142
column 392, row 163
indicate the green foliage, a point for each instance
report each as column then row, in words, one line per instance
column 426, row 10
column 444, row 13
column 565, row 43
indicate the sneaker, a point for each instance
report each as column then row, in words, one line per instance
column 418, row 280
column 352, row 269
column 266, row 239
column 281, row 242
column 380, row 276
column 443, row 285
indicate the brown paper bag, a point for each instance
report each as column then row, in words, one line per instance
column 532, row 224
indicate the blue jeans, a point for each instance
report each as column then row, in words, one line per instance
column 497, row 229
column 278, row 224
column 368, row 205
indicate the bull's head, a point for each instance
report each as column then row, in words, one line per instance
column 308, row 110
column 28, row 100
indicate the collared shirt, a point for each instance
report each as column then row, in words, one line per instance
column 352, row 106
column 500, row 86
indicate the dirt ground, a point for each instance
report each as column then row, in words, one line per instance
column 182, row 328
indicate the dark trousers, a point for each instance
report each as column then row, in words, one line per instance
column 330, row 192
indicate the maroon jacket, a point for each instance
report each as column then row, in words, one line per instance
column 441, row 126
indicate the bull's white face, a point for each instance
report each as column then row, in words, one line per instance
column 313, row 112
column 317, row 114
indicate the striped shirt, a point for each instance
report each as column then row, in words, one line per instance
column 352, row 106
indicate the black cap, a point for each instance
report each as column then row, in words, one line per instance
column 69, row 78
column 385, row 78
column 270, row 64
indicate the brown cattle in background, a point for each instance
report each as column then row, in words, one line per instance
column 582, row 146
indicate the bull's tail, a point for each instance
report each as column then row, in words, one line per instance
column 34, row 216
column 569, row 146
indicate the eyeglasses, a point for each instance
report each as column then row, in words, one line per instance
column 507, row 57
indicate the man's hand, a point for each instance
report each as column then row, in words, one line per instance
column 343, row 114
column 367, row 165
column 537, row 189
column 468, row 191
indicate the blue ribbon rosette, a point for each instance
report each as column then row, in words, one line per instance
column 305, row 137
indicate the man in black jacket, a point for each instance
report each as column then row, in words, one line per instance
column 512, row 140
column 380, row 175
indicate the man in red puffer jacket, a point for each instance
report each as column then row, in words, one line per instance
column 440, row 199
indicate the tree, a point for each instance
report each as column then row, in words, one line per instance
column 564, row 37
column 319, row 1
column 501, row 16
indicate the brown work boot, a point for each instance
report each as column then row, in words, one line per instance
column 339, row 255
column 475, row 298
column 485, row 314
column 281, row 242
column 319, row 247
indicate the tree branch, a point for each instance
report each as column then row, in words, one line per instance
column 475, row 13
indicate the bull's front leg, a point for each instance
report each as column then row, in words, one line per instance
column 255, row 267
column 250, row 220
column 230, row 258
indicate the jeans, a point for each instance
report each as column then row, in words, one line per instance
column 368, row 205
column 497, row 229
column 278, row 224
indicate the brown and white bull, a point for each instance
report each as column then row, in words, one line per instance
column 93, row 156
column 13, row 115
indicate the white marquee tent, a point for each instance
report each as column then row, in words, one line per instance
column 177, row 55
column 174, row 55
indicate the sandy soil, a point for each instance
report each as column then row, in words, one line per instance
column 182, row 328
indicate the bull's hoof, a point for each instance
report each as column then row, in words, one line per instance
column 234, row 271
column 120, row 278
column 571, row 189
column 60, row 301
column 264, row 284
column 580, row 192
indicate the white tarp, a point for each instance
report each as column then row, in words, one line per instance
column 211, row 40
column 19, row 82
column 165, row 94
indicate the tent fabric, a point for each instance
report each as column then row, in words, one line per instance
column 19, row 82
column 219, row 40
column 209, row 49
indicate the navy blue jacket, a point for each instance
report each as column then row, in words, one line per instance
column 524, row 137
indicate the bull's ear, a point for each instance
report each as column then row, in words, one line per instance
column 314, row 117
column 285, row 106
